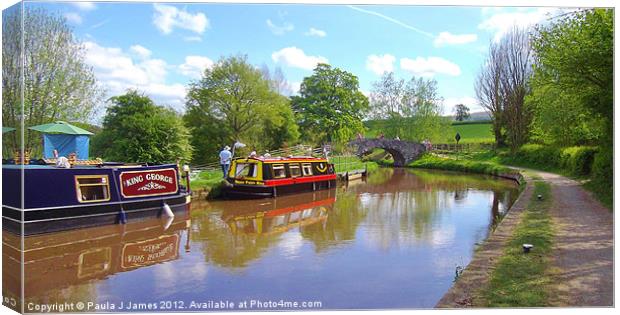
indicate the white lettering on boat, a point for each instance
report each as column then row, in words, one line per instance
column 150, row 176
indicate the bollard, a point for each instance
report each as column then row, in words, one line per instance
column 527, row 248
column 539, row 197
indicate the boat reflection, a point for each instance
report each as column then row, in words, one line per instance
column 281, row 214
column 56, row 261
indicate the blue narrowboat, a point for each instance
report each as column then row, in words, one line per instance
column 56, row 199
column 58, row 193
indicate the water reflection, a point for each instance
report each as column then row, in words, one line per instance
column 392, row 241
column 66, row 265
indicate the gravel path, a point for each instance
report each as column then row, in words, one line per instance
column 583, row 248
column 582, row 258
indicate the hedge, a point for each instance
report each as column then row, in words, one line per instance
column 577, row 160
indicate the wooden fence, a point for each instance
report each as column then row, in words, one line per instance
column 463, row 147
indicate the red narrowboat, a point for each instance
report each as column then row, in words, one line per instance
column 262, row 177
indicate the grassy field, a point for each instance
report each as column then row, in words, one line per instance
column 521, row 280
column 471, row 131
column 474, row 132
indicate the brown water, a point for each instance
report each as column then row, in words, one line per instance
column 393, row 241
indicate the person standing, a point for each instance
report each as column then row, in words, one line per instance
column 225, row 157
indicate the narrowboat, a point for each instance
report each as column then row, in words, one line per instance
column 263, row 177
column 56, row 199
column 57, row 193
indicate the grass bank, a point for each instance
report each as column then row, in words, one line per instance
column 520, row 279
column 574, row 162
column 430, row 161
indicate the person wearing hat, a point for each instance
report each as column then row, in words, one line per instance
column 225, row 157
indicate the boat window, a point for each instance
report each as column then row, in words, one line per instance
column 279, row 171
column 246, row 170
column 295, row 170
column 92, row 188
column 307, row 169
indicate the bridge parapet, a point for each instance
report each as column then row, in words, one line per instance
column 403, row 152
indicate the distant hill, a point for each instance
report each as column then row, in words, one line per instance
column 484, row 116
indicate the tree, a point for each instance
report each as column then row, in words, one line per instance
column 330, row 107
column 574, row 64
column 234, row 101
column 410, row 110
column 57, row 83
column 461, row 112
column 517, row 65
column 137, row 130
column 503, row 84
column 489, row 92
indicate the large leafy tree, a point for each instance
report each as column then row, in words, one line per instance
column 235, row 101
column 137, row 130
column 330, row 107
column 574, row 70
column 57, row 83
column 408, row 109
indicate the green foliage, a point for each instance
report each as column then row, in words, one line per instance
column 330, row 106
column 233, row 101
column 56, row 81
column 461, row 112
column 577, row 160
column 409, row 110
column 538, row 154
column 207, row 179
column 602, row 176
column 137, row 130
column 434, row 162
column 521, row 280
column 575, row 65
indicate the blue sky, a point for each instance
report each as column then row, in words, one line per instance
column 159, row 48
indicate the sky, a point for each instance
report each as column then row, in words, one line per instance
column 160, row 48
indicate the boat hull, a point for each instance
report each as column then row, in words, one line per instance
column 48, row 220
column 238, row 191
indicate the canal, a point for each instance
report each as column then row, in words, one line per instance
column 394, row 240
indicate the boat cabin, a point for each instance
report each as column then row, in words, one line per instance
column 273, row 176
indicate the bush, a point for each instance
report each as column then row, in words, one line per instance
column 602, row 168
column 577, row 160
column 538, row 154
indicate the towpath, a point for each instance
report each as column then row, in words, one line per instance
column 583, row 252
column 582, row 257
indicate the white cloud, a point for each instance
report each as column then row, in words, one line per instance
column 295, row 87
column 315, row 32
column 428, row 67
column 295, row 57
column 167, row 17
column 380, row 64
column 85, row 5
column 447, row 38
column 500, row 21
column 118, row 70
column 194, row 66
column 280, row 30
column 140, row 51
column 73, row 17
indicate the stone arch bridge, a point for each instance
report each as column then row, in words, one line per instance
column 403, row 152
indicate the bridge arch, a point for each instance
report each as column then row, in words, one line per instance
column 403, row 152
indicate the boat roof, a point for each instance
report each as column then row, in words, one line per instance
column 276, row 159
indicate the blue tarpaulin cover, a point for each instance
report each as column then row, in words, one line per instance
column 65, row 144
